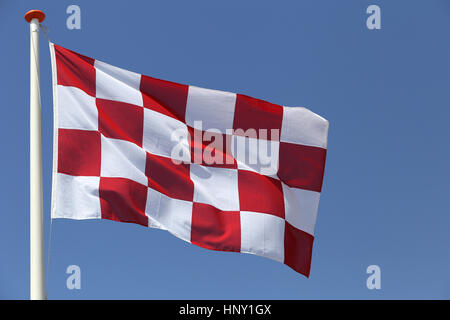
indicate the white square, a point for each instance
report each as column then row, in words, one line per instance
column 256, row 155
column 123, row 159
column 113, row 83
column 77, row 197
column 302, row 126
column 169, row 214
column 215, row 109
column 166, row 136
column 301, row 208
column 263, row 235
column 215, row 186
column 76, row 109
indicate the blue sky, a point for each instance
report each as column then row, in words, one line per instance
column 385, row 194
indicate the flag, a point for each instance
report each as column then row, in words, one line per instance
column 220, row 170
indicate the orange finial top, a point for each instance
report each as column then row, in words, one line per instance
column 38, row 14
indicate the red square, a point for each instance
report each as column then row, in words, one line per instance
column 166, row 97
column 302, row 166
column 207, row 151
column 252, row 113
column 259, row 193
column 123, row 200
column 214, row 229
column 75, row 70
column 79, row 152
column 120, row 120
column 169, row 178
column 297, row 249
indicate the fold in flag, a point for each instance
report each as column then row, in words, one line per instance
column 221, row 170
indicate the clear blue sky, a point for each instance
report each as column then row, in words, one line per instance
column 386, row 188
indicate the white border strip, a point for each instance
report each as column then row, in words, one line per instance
column 55, row 129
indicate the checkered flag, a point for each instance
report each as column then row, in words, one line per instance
column 221, row 170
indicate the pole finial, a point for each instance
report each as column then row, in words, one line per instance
column 38, row 14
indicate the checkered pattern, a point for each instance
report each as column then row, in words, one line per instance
column 113, row 159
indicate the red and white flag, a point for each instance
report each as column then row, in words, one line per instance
column 221, row 170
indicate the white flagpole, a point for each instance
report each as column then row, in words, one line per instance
column 37, row 284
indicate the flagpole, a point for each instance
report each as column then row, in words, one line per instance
column 37, row 284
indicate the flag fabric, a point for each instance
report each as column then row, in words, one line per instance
column 220, row 170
